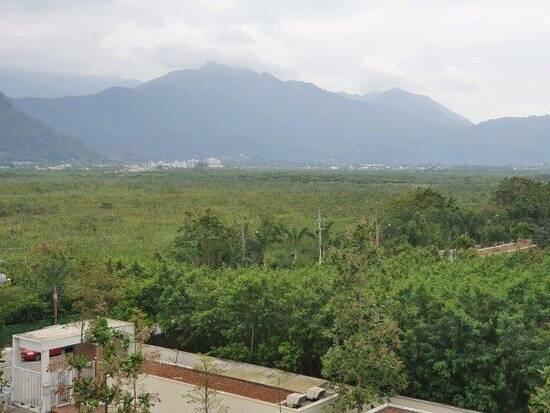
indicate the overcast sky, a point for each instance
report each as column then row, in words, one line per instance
column 481, row 58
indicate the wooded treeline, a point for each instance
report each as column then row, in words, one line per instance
column 473, row 332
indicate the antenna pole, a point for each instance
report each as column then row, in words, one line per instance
column 377, row 231
column 243, row 243
column 320, row 235
column 55, row 298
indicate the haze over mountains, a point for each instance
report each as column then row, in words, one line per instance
column 24, row 139
column 419, row 106
column 238, row 115
column 19, row 84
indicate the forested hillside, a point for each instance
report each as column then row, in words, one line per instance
column 24, row 139
column 243, row 280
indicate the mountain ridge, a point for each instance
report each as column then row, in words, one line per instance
column 228, row 112
column 24, row 139
column 402, row 101
column 24, row 83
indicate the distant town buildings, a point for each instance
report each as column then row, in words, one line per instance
column 211, row 163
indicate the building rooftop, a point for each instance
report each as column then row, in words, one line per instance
column 402, row 404
column 225, row 384
column 520, row 245
column 64, row 331
column 241, row 371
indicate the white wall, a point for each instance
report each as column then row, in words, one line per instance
column 171, row 394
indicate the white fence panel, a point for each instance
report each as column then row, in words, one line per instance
column 62, row 380
column 26, row 387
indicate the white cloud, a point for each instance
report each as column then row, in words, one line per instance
column 382, row 66
column 456, row 79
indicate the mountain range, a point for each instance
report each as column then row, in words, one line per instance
column 240, row 115
column 23, row 83
column 24, row 139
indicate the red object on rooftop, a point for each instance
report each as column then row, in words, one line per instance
column 30, row 355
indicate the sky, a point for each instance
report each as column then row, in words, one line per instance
column 483, row 59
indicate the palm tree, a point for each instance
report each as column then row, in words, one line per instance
column 327, row 238
column 295, row 237
column 269, row 232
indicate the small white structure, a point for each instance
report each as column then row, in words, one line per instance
column 34, row 385
column 295, row 399
column 315, row 393
column 213, row 163
column 4, row 279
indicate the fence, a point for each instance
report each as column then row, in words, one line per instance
column 26, row 387
column 62, row 381
column 7, row 331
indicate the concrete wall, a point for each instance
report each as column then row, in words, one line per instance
column 426, row 406
column 171, row 394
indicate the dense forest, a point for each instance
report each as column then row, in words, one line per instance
column 391, row 283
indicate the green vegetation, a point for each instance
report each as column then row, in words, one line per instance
column 227, row 264
column 132, row 216
column 117, row 371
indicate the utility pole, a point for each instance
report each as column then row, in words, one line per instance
column 320, row 235
column 55, row 297
column 376, row 232
column 243, row 243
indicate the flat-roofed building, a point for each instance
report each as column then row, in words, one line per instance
column 35, row 384
column 172, row 375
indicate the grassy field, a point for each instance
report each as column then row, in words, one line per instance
column 131, row 216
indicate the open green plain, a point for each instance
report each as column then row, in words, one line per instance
column 133, row 215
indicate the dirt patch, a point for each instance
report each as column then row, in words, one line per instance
column 226, row 384
column 72, row 409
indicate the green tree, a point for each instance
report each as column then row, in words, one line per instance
column 204, row 239
column 204, row 395
column 19, row 305
column 268, row 233
column 133, row 367
column 116, row 369
column 49, row 270
column 539, row 402
column 425, row 218
column 523, row 199
column 3, row 383
column 363, row 363
column 295, row 238
column 541, row 235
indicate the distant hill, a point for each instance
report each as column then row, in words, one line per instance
column 239, row 114
column 23, row 138
column 413, row 105
column 21, row 83
column 523, row 140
